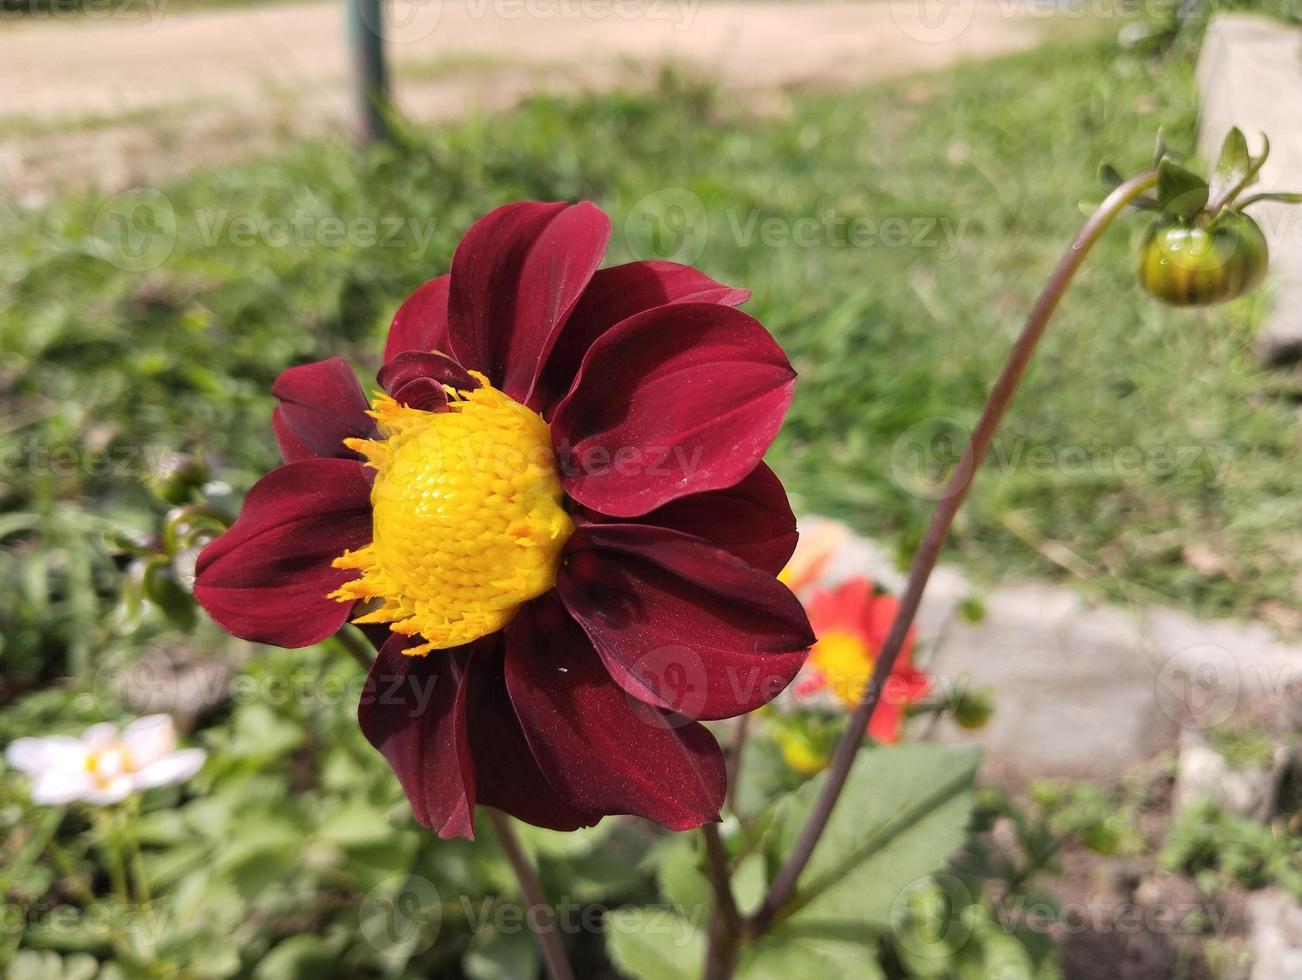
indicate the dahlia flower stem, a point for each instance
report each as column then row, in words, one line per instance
column 355, row 646
column 554, row 959
column 735, row 758
column 933, row 541
column 725, row 921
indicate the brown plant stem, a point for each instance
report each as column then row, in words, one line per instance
column 953, row 495
column 734, row 758
column 724, row 939
column 554, row 958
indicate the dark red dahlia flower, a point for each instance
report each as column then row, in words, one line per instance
column 554, row 520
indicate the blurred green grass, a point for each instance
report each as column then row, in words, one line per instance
column 108, row 365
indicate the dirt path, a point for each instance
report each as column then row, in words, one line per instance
column 122, row 99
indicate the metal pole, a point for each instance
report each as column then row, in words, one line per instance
column 370, row 74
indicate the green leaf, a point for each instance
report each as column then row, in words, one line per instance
column 678, row 873
column 904, row 810
column 789, row 954
column 538, row 841
column 501, row 956
column 355, row 824
column 1109, row 175
column 1180, row 191
column 1234, row 165
column 1281, row 197
column 1161, row 151
column 750, row 882
column 302, row 957
column 654, row 944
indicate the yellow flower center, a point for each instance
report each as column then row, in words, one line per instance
column 108, row 762
column 468, row 519
column 845, row 662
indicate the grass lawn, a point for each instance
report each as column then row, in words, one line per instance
column 1143, row 437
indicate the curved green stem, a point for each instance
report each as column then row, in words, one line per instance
column 110, row 841
column 955, row 491
column 135, row 857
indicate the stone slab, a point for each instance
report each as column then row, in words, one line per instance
column 1250, row 76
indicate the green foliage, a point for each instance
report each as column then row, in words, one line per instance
column 291, row 855
column 903, row 812
column 109, row 367
column 292, row 850
column 1219, row 848
column 1105, row 822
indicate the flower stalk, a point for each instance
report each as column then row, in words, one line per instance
column 555, row 960
column 725, row 920
column 720, row 962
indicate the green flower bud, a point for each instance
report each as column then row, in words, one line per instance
column 178, row 477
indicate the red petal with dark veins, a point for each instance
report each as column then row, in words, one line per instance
column 681, row 624
column 421, row 323
column 507, row 775
column 515, row 278
column 675, row 401
column 413, row 710
column 605, row 750
column 268, row 576
column 416, row 366
column 321, row 405
column 613, row 295
column 753, row 520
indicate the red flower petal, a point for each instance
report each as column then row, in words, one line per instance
column 613, row 295
column 515, row 278
column 421, row 323
column 415, row 365
column 878, row 619
column 680, row 624
column 675, row 401
column 507, row 775
column 848, row 608
column 267, row 577
column 423, row 394
column 605, row 750
column 416, row 378
column 321, row 405
column 884, row 725
column 753, row 520
column 413, row 710
column 292, row 448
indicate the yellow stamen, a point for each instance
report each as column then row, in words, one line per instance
column 108, row 762
column 468, row 520
column 846, row 663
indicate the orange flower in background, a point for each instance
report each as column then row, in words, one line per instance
column 813, row 552
column 851, row 622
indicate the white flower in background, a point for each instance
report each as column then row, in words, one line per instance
column 105, row 765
